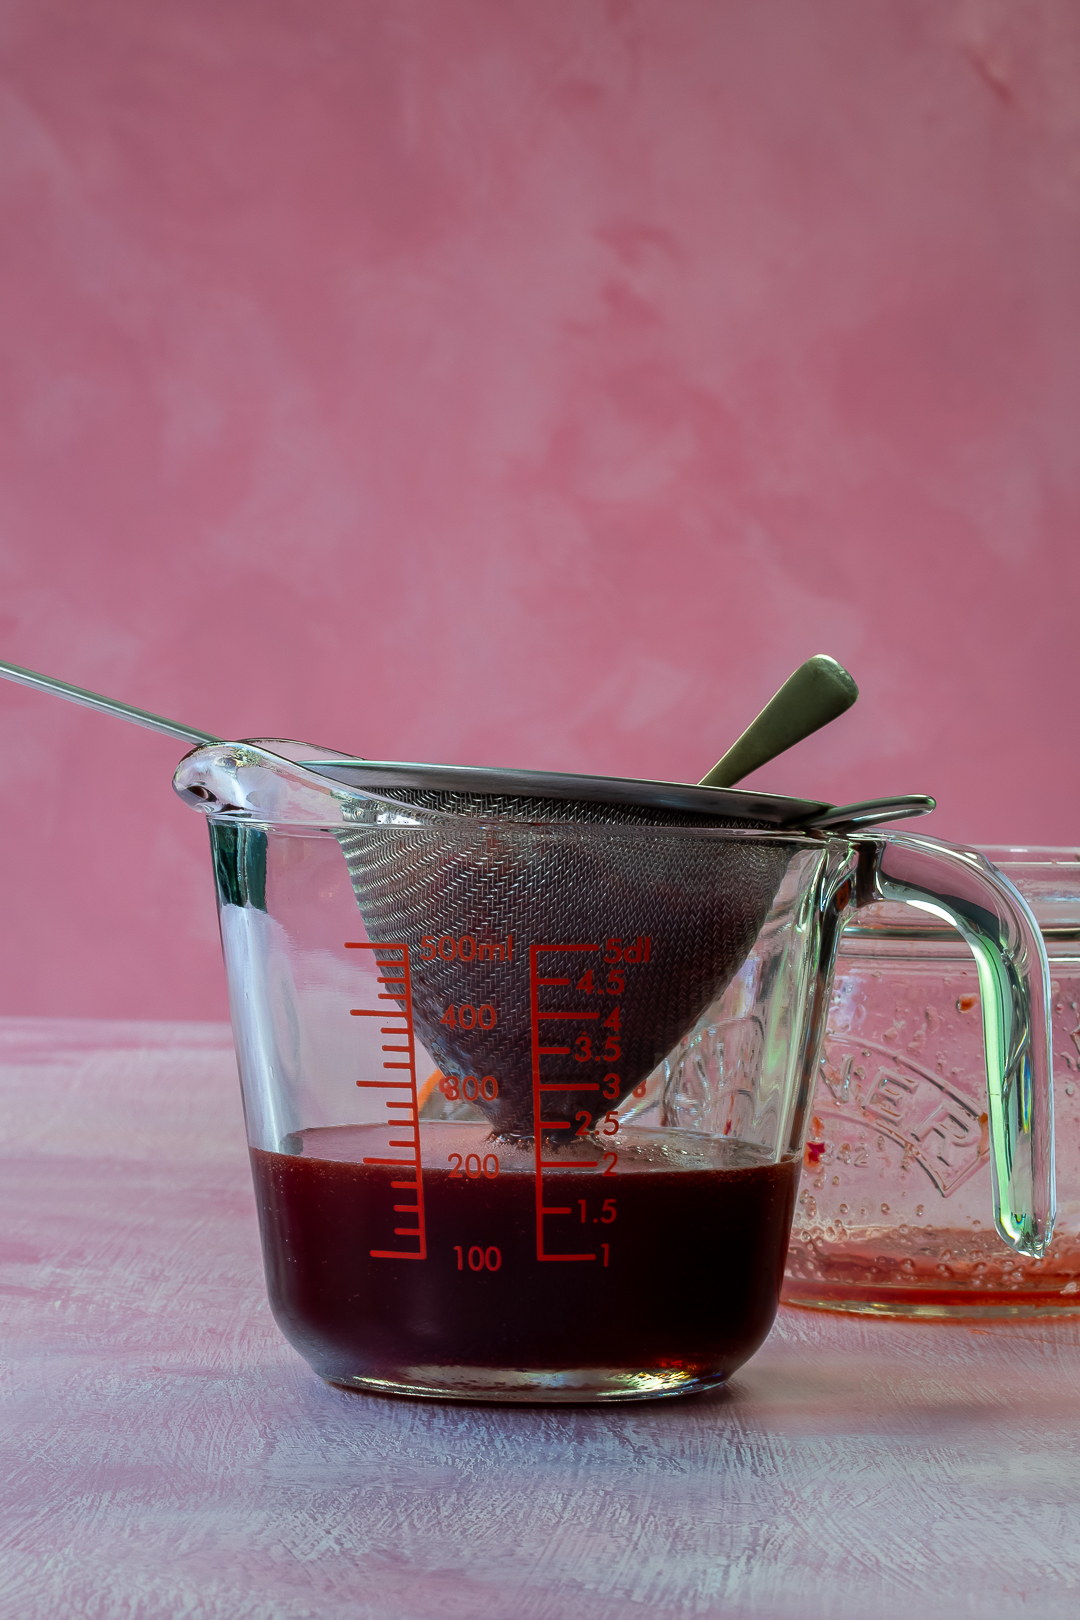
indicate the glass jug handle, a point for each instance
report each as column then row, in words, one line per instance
column 1014, row 983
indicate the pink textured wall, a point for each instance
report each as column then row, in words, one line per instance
column 523, row 383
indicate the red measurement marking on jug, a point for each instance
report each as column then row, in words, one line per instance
column 393, row 961
column 547, row 1014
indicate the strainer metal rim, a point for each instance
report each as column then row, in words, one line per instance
column 739, row 803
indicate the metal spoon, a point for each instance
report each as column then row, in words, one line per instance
column 817, row 692
column 94, row 700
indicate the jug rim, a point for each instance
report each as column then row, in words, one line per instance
column 740, row 804
column 306, row 781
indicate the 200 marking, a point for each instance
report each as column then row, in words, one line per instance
column 474, row 1166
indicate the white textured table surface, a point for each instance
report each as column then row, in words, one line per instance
column 165, row 1453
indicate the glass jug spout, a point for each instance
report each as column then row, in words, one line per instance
column 963, row 889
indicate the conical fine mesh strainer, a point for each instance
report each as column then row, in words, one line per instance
column 560, row 872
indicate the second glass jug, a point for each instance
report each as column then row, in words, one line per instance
column 895, row 1211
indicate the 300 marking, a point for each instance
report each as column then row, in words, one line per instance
column 457, row 1087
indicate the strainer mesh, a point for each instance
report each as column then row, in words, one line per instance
column 508, row 872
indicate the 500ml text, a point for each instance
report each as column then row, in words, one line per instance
column 465, row 948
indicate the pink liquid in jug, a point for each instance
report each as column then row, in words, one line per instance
column 686, row 1275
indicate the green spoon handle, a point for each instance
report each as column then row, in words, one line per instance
column 818, row 691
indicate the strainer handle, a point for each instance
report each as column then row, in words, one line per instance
column 963, row 888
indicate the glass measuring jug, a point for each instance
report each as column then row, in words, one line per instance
column 894, row 1215
column 490, row 1159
